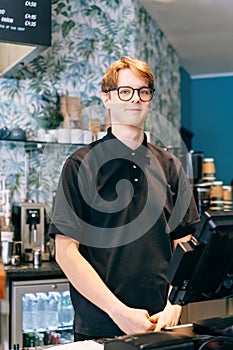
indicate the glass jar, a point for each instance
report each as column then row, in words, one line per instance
column 208, row 170
column 227, row 198
column 202, row 197
column 216, row 196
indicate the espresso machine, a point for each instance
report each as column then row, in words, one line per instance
column 29, row 223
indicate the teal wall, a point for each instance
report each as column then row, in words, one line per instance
column 212, row 122
column 185, row 92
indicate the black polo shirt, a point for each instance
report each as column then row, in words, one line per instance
column 124, row 207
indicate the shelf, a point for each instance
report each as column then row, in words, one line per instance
column 37, row 145
column 32, row 168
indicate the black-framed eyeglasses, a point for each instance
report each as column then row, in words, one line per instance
column 125, row 93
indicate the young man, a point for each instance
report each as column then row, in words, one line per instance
column 111, row 217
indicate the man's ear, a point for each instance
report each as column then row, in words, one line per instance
column 105, row 97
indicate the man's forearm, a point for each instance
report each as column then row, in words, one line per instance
column 83, row 277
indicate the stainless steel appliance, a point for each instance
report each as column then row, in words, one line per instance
column 41, row 313
column 30, row 224
column 8, row 250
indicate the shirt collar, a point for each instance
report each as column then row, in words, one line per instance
column 120, row 150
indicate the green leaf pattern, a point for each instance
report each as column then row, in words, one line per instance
column 87, row 35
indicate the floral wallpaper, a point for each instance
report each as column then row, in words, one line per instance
column 87, row 35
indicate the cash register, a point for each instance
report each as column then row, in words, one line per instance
column 200, row 270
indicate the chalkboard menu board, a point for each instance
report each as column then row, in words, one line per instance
column 25, row 22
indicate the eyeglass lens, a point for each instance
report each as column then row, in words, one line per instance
column 125, row 93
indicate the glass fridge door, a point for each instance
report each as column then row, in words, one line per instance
column 41, row 313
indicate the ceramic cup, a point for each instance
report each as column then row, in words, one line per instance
column 76, row 136
column 63, row 135
column 87, row 136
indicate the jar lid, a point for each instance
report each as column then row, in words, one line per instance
column 227, row 188
column 208, row 160
column 217, row 183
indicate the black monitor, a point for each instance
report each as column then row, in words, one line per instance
column 202, row 269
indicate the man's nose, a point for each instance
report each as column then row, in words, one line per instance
column 136, row 97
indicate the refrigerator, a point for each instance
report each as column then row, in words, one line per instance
column 41, row 313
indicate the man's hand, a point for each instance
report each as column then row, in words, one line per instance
column 131, row 320
column 170, row 316
column 86, row 280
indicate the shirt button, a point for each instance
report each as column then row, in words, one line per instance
column 134, row 166
column 133, row 153
column 136, row 179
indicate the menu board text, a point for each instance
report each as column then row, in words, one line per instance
column 26, row 22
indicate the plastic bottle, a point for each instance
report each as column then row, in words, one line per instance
column 29, row 308
column 53, row 310
column 42, row 311
column 66, row 313
column 7, row 230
